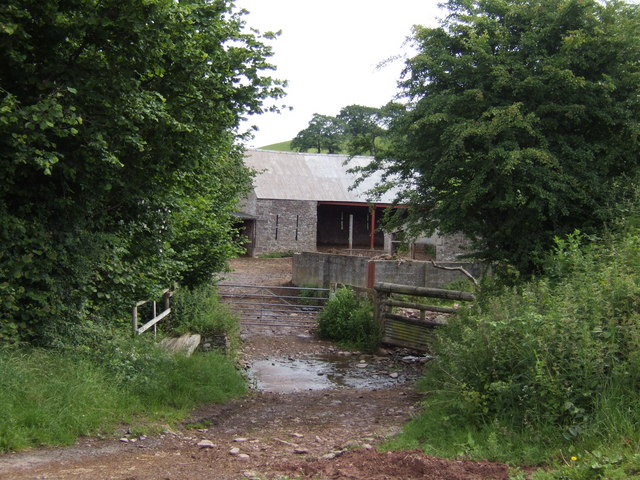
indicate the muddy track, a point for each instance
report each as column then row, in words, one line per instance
column 321, row 434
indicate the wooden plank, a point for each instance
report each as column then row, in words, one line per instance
column 413, row 321
column 424, row 291
column 153, row 321
column 396, row 334
column 419, row 306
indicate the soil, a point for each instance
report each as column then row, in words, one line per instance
column 315, row 434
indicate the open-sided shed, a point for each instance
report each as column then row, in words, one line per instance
column 306, row 202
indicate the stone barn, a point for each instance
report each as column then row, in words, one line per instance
column 305, row 202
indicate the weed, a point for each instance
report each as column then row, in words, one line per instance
column 349, row 321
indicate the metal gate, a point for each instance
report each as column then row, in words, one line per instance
column 274, row 305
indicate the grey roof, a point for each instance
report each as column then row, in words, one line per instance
column 309, row 176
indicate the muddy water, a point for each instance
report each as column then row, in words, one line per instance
column 283, row 375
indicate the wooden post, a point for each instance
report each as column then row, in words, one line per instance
column 134, row 318
column 371, row 274
column 350, row 231
column 155, row 314
column 372, row 243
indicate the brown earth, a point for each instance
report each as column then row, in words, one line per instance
column 316, row 434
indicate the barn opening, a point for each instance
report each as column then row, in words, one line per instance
column 334, row 226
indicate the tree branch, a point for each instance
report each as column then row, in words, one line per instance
column 460, row 269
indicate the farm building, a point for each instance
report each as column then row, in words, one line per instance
column 305, row 202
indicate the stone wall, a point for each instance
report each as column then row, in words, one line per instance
column 284, row 225
column 450, row 248
column 323, row 269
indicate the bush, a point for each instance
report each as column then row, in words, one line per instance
column 198, row 310
column 557, row 359
column 349, row 321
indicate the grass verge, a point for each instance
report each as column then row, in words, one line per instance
column 51, row 397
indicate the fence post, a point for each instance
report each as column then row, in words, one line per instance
column 134, row 319
column 155, row 325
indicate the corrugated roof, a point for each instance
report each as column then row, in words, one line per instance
column 309, row 176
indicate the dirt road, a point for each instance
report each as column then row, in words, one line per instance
column 320, row 434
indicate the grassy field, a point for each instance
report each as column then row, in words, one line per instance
column 278, row 147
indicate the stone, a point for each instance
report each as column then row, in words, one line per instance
column 234, row 451
column 300, row 451
column 206, row 444
column 243, row 456
column 186, row 344
column 124, row 440
column 361, row 365
column 240, row 439
column 297, row 435
column 393, row 374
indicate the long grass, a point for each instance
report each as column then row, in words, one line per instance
column 51, row 397
column 546, row 372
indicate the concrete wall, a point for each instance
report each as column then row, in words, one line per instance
column 324, row 268
column 284, row 225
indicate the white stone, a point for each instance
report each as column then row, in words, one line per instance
column 185, row 344
column 234, row 451
column 206, row 444
column 394, row 375
column 300, row 451
column 240, row 439
column 243, row 456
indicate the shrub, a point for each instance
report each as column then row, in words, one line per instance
column 557, row 356
column 349, row 321
column 198, row 310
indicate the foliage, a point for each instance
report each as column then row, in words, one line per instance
column 349, row 321
column 120, row 171
column 521, row 123
column 198, row 310
column 312, row 295
column 355, row 130
column 362, row 126
column 548, row 367
column 51, row 397
column 323, row 133
column 283, row 254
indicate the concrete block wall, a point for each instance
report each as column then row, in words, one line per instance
column 323, row 269
column 284, row 225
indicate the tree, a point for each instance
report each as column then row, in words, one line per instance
column 362, row 126
column 118, row 127
column 521, row 123
column 323, row 133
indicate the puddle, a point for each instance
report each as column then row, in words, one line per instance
column 323, row 372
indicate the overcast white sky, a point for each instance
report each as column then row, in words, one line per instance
column 328, row 52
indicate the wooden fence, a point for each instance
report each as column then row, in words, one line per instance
column 156, row 317
column 405, row 331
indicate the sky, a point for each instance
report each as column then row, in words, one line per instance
column 329, row 51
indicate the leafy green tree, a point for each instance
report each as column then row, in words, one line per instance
column 323, row 133
column 362, row 126
column 118, row 128
column 521, row 123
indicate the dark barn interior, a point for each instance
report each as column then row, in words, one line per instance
column 333, row 226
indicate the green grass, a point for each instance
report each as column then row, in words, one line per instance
column 279, row 147
column 285, row 254
column 51, row 397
